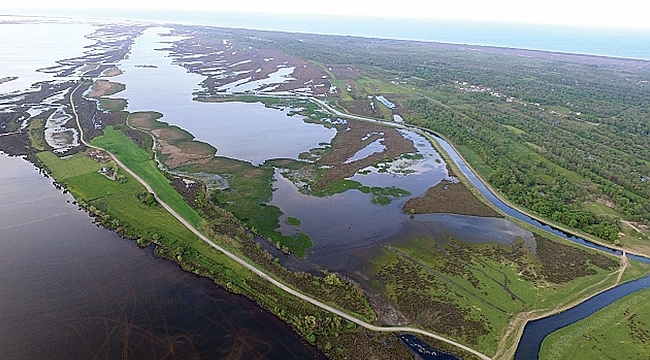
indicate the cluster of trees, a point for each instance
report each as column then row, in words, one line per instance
column 593, row 146
column 518, row 172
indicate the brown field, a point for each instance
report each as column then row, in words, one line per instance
column 145, row 120
column 104, row 88
column 111, row 71
column 259, row 63
column 346, row 143
column 177, row 146
column 451, row 198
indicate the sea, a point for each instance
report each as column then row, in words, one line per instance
column 613, row 42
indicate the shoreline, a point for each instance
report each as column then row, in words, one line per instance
column 412, row 329
column 523, row 318
column 389, row 124
column 262, row 274
column 540, row 51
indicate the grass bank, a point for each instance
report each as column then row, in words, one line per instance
column 121, row 206
column 141, row 163
column 619, row 331
column 471, row 292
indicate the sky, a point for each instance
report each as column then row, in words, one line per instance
column 591, row 13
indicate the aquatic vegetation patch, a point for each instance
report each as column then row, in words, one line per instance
column 293, row 221
column 449, row 197
column 380, row 195
column 470, row 291
column 246, row 197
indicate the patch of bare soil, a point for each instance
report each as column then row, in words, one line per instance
column 224, row 62
column 177, row 150
column 451, row 198
column 104, row 88
column 610, row 204
column 111, row 71
column 352, row 137
column 386, row 311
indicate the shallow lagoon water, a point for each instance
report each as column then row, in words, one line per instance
column 73, row 290
column 346, row 227
column 249, row 132
column 69, row 286
column 28, row 47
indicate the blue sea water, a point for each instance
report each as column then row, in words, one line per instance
column 626, row 43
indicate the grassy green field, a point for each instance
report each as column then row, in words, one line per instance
column 473, row 158
column 619, row 331
column 117, row 205
column 451, row 285
column 36, row 135
column 141, row 163
column 118, row 200
column 383, row 111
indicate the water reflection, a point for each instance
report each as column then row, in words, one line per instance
column 249, row 132
column 347, row 228
column 72, row 290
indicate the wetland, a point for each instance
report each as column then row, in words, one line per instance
column 365, row 215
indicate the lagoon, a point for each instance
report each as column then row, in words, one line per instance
column 248, row 132
column 73, row 290
column 28, row 47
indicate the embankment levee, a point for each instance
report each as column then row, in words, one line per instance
column 519, row 322
column 267, row 277
column 427, row 133
column 263, row 275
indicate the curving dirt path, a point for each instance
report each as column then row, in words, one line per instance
column 259, row 272
column 517, row 324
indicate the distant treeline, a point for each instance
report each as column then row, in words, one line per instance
column 554, row 133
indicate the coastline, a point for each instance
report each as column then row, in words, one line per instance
column 443, row 32
column 471, row 187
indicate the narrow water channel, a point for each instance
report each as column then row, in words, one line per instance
column 536, row 331
column 73, row 290
column 469, row 174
